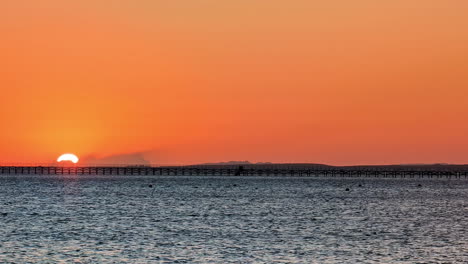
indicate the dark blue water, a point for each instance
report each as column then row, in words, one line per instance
column 120, row 219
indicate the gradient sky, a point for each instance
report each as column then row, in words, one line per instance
column 336, row 81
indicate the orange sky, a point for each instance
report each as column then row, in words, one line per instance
column 337, row 81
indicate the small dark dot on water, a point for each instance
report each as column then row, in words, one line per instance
column 234, row 185
column 347, row 189
column 419, row 185
column 360, row 185
column 151, row 185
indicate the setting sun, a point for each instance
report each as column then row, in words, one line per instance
column 68, row 157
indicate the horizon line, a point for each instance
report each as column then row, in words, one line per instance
column 229, row 163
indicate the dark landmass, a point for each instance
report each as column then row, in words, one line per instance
column 227, row 163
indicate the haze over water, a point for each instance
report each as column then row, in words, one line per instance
column 120, row 219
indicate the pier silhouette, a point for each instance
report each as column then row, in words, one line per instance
column 447, row 171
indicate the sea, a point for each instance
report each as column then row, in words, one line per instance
column 229, row 219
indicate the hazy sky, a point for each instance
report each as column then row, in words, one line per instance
column 336, row 81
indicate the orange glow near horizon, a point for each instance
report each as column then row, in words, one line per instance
column 182, row 82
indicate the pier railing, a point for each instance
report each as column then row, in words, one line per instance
column 286, row 171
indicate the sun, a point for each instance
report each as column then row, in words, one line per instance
column 68, row 157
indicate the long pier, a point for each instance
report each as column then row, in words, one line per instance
column 346, row 172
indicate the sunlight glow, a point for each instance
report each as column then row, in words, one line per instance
column 68, row 157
